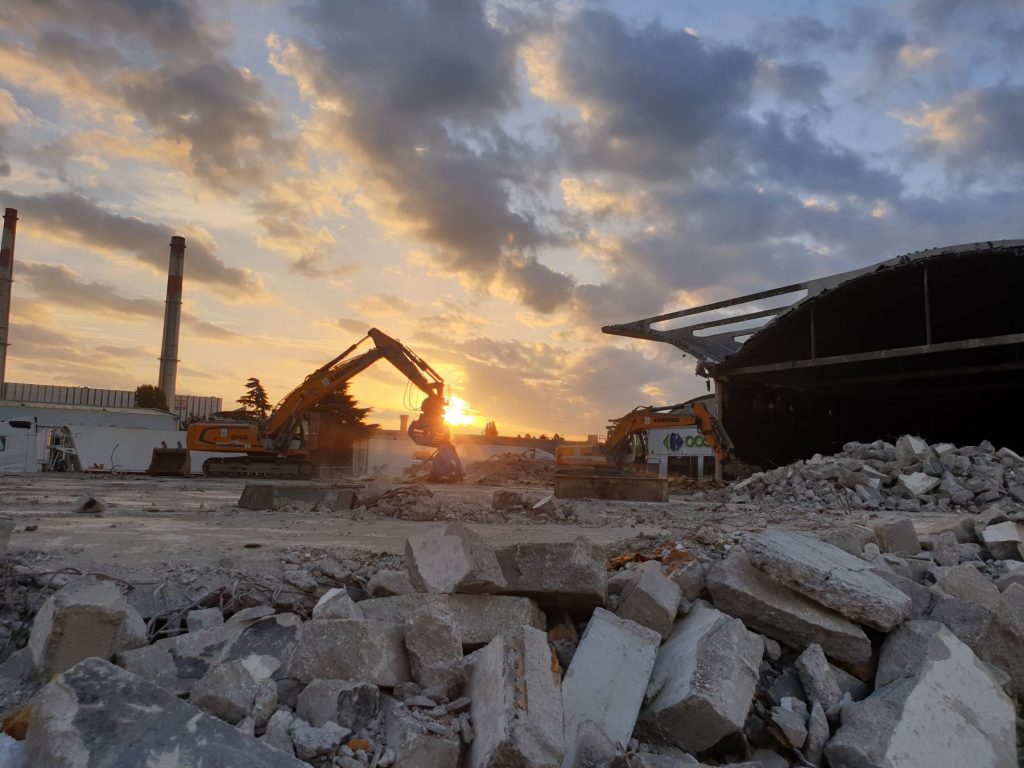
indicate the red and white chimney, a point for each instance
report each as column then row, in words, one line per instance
column 172, row 321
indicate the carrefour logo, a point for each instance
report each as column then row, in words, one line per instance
column 674, row 441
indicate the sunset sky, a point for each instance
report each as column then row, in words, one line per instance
column 491, row 182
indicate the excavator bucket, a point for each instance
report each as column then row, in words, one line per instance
column 430, row 433
column 170, row 462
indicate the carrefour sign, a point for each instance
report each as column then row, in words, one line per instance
column 687, row 441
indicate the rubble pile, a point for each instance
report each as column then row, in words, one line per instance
column 868, row 647
column 511, row 469
column 910, row 476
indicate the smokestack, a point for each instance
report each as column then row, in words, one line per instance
column 172, row 320
column 403, row 419
column 6, row 282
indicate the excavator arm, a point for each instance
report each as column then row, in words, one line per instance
column 427, row 430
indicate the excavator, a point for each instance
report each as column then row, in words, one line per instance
column 625, row 450
column 276, row 447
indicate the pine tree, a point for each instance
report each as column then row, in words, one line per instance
column 342, row 409
column 491, row 429
column 254, row 402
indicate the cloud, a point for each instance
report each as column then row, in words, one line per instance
column 798, row 82
column 73, row 216
column 65, row 288
column 412, row 93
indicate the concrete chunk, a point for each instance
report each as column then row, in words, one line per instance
column 177, row 663
column 96, row 714
column 703, row 680
column 204, row 618
column 481, row 618
column 336, row 604
column 239, row 689
column 919, row 484
column 453, row 559
column 830, row 576
column 353, row 705
column 652, row 600
column 87, row 617
column 276, row 495
column 516, row 703
column 434, row 644
column 340, row 649
column 1004, row 540
column 741, row 590
column 417, row 747
column 935, row 704
column 816, row 677
column 897, row 536
column 604, row 686
column 571, row 575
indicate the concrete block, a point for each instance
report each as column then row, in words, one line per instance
column 389, row 583
column 453, row 559
column 96, row 714
column 275, row 496
column 934, row 704
column 353, row 705
column 897, row 536
column 238, row 689
column 910, row 448
column 1004, row 540
column 792, row 721
column 920, row 596
column 177, row 663
column 743, row 591
column 311, row 742
column 703, row 680
column 87, row 617
column 817, row 733
column 204, row 618
column 269, row 636
column 817, row 678
column 967, row 583
column 605, row 683
column 946, row 549
column 571, row 575
column 516, row 703
column 336, row 604
column 338, row 649
column 830, row 576
column 690, row 578
column 278, row 733
column 434, row 645
column 918, row 484
column 481, row 618
column 6, row 527
column 652, row 600
column 417, row 747
column 851, row 538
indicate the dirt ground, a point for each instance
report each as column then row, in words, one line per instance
column 152, row 524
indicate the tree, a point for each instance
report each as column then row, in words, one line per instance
column 254, row 402
column 341, row 409
column 491, row 429
column 149, row 396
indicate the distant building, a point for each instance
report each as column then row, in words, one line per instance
column 185, row 407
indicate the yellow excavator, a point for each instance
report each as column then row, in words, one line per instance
column 625, row 450
column 277, row 446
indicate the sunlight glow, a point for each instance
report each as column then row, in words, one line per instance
column 458, row 413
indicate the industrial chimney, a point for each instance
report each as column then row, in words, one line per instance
column 6, row 281
column 172, row 320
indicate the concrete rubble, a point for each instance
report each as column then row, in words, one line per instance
column 882, row 640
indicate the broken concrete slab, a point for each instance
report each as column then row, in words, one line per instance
column 604, row 686
column 353, row 705
column 453, row 559
column 204, row 618
column 851, row 538
column 741, row 590
column 311, row 742
column 816, row 677
column 89, row 505
column 829, row 576
column 1004, row 540
column 934, row 704
column 481, row 618
column 690, row 578
column 897, row 536
column 238, row 689
column 336, row 603
column 87, row 617
column 278, row 495
column 791, row 721
column 415, row 746
column 920, row 596
column 389, row 584
column 96, row 714
column 651, row 600
column 966, row 582
column 270, row 636
column 703, row 680
column 946, row 549
column 817, row 733
column 918, row 484
column 571, row 575
column 339, row 649
column 434, row 645
column 516, row 703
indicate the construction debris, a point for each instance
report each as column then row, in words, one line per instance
column 511, row 469
column 876, row 643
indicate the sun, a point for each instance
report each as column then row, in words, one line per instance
column 458, row 413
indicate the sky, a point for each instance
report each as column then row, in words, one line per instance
column 490, row 182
